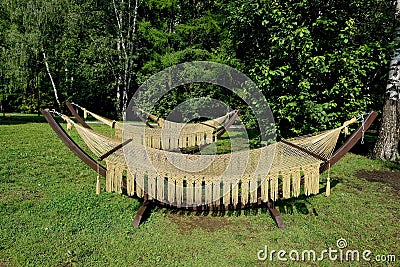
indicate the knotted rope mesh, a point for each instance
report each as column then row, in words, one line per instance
column 240, row 177
column 170, row 135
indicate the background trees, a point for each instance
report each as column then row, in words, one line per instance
column 317, row 62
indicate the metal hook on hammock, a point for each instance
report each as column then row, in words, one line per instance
column 72, row 103
column 363, row 127
column 56, row 112
column 85, row 112
column 363, row 130
column 64, row 117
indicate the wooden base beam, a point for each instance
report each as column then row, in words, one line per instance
column 276, row 215
column 142, row 211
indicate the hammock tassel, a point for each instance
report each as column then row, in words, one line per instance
column 245, row 191
column 253, row 190
column 67, row 120
column 346, row 131
column 328, row 182
column 264, row 189
column 139, row 179
column 179, row 192
column 98, row 180
column 69, row 125
column 235, row 194
column 198, row 192
column 98, row 185
column 85, row 113
column 160, row 187
column 296, row 181
column 130, row 183
column 346, row 126
column 189, row 193
column 216, row 192
column 171, row 190
column 286, row 184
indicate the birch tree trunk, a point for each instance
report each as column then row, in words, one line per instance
column 52, row 81
column 118, row 79
column 126, row 22
column 387, row 145
column 129, row 60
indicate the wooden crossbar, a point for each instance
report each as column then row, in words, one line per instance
column 304, row 150
column 108, row 153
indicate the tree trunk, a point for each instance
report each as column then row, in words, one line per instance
column 387, row 145
column 52, row 81
column 386, row 148
column 126, row 22
column 118, row 79
column 130, row 59
column 121, row 50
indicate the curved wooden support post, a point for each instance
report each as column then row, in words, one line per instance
column 76, row 115
column 353, row 139
column 141, row 212
column 276, row 215
column 229, row 123
column 72, row 145
column 141, row 117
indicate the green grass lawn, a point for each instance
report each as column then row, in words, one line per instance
column 51, row 216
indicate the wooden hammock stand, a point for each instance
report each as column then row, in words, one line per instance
column 147, row 203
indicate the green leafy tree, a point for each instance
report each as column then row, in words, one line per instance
column 87, row 54
column 317, row 63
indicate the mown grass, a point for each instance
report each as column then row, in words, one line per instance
column 51, row 216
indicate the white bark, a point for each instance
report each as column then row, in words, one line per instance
column 51, row 79
column 386, row 147
column 125, row 45
column 394, row 71
column 130, row 62
column 118, row 78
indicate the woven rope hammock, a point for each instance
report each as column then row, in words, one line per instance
column 170, row 135
column 247, row 178
column 234, row 178
column 163, row 123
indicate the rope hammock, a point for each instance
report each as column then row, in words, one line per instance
column 163, row 123
column 239, row 177
column 170, row 135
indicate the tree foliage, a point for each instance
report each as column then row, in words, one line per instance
column 317, row 62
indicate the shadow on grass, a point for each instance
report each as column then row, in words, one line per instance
column 367, row 147
column 362, row 148
column 285, row 206
column 12, row 119
column 392, row 165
